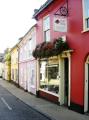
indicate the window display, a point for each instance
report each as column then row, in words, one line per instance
column 49, row 79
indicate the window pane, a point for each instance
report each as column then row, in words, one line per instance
column 52, row 72
column 86, row 8
column 46, row 23
column 47, row 35
column 49, row 77
column 87, row 23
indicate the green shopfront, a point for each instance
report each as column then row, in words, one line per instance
column 53, row 78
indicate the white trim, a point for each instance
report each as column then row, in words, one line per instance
column 59, row 79
column 69, row 82
column 86, row 30
column 38, row 75
column 86, row 88
column 61, row 73
column 61, row 88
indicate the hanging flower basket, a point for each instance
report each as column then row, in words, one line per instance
column 49, row 49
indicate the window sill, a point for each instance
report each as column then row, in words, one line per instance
column 49, row 92
column 86, row 30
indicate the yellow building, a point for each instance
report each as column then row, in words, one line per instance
column 7, row 65
column 14, row 64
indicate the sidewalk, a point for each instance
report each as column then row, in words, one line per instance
column 50, row 109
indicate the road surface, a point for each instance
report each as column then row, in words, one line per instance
column 11, row 108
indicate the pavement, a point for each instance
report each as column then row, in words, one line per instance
column 49, row 109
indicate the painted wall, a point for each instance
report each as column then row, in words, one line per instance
column 14, row 64
column 7, row 71
column 1, row 68
column 22, row 75
column 7, row 65
column 31, row 76
column 27, row 63
column 77, row 40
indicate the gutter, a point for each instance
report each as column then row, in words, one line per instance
column 45, row 5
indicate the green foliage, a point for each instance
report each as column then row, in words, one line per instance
column 48, row 49
column 9, row 73
column 8, row 57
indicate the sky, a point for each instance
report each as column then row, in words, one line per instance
column 16, row 20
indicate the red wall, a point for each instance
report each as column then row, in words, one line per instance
column 77, row 40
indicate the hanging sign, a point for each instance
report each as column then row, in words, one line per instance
column 60, row 24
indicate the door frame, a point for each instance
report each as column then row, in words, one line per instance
column 66, row 54
column 86, row 86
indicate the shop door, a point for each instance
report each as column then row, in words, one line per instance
column 66, row 69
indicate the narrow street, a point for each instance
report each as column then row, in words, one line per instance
column 16, row 104
column 11, row 108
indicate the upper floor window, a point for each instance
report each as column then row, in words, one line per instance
column 32, row 44
column 86, row 14
column 21, row 53
column 30, row 47
column 46, row 28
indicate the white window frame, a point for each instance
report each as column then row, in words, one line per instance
column 85, row 28
column 46, row 30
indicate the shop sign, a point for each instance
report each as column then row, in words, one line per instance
column 60, row 24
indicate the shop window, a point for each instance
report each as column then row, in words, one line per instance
column 86, row 14
column 49, row 77
column 46, row 28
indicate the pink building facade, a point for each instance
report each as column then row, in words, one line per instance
column 27, row 63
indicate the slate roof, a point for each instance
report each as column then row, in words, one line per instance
column 37, row 11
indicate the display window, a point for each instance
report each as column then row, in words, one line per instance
column 49, row 77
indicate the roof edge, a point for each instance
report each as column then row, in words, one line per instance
column 46, row 4
column 21, row 38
